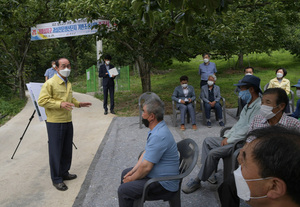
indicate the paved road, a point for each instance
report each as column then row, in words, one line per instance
column 25, row 180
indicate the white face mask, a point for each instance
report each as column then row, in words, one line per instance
column 266, row 111
column 248, row 74
column 65, row 72
column 107, row 62
column 279, row 75
column 298, row 93
column 184, row 85
column 206, row 60
column 242, row 187
column 210, row 83
column 53, row 66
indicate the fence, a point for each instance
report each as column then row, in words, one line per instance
column 122, row 81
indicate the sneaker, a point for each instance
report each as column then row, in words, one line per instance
column 182, row 128
column 105, row 112
column 221, row 123
column 191, row 186
column 194, row 127
column 212, row 179
column 112, row 112
column 208, row 124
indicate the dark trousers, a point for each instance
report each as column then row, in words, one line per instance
column 111, row 90
column 128, row 192
column 228, row 193
column 218, row 108
column 202, row 83
column 60, row 139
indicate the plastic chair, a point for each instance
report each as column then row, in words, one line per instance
column 177, row 111
column 222, row 102
column 188, row 150
column 230, row 163
column 240, row 107
column 144, row 97
column 291, row 99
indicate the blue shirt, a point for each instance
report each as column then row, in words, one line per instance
column 206, row 70
column 161, row 150
column 50, row 72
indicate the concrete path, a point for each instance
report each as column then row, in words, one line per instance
column 25, row 180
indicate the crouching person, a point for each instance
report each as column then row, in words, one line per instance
column 159, row 159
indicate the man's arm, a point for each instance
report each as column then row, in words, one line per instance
column 144, row 168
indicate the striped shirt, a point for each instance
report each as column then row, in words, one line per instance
column 260, row 122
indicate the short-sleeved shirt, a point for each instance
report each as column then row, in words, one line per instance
column 161, row 150
column 206, row 70
column 50, row 72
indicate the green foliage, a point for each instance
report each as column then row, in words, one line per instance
column 10, row 107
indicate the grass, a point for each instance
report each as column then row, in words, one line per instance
column 163, row 82
column 9, row 107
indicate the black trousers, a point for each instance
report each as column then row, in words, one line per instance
column 128, row 192
column 202, row 83
column 60, row 139
column 111, row 90
column 228, row 193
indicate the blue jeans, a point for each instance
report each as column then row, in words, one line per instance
column 183, row 109
column 218, row 108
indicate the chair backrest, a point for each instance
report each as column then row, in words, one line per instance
column 188, row 150
column 266, row 86
column 144, row 97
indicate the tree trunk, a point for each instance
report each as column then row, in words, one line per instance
column 240, row 61
column 144, row 74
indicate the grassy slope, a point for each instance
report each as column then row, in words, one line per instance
column 164, row 82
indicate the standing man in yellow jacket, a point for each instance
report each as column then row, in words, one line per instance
column 57, row 98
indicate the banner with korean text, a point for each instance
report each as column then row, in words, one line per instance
column 65, row 29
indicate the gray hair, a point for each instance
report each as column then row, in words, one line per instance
column 213, row 76
column 156, row 106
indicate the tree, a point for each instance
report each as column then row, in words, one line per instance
column 158, row 39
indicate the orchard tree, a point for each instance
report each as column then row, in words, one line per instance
column 147, row 32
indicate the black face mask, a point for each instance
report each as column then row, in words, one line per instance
column 145, row 122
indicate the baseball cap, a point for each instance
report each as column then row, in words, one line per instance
column 250, row 80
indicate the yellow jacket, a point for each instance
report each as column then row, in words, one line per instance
column 285, row 84
column 53, row 92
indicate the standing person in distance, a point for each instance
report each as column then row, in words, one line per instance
column 108, row 84
column 205, row 69
column 50, row 71
column 57, row 98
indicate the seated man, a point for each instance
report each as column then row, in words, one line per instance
column 269, row 173
column 274, row 102
column 296, row 113
column 184, row 95
column 159, row 159
column 215, row 148
column 247, row 71
column 210, row 94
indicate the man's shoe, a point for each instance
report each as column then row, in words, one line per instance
column 212, row 179
column 208, row 124
column 221, row 123
column 60, row 186
column 105, row 112
column 194, row 127
column 182, row 128
column 70, row 177
column 191, row 186
column 112, row 112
